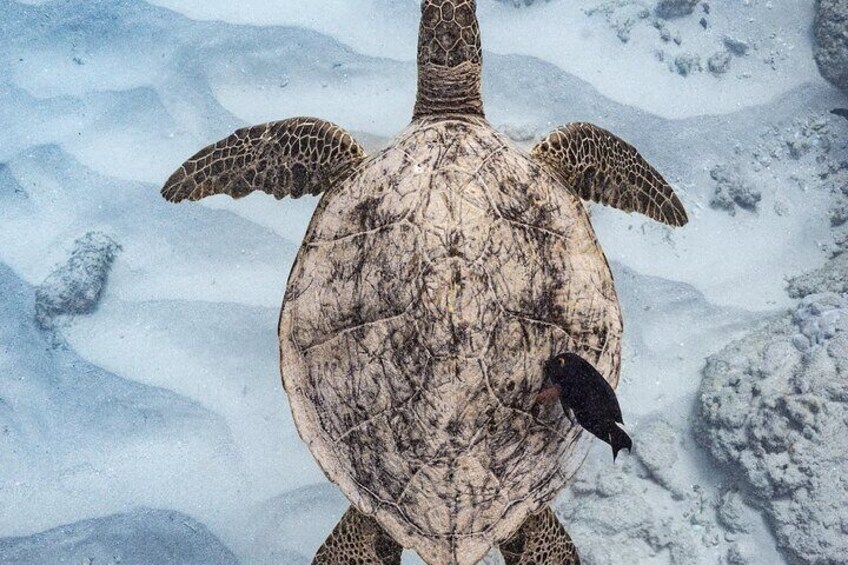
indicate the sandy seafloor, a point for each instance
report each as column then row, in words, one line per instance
column 155, row 428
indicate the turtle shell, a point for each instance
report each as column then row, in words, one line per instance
column 431, row 287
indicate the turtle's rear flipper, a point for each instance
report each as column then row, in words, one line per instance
column 358, row 539
column 604, row 168
column 287, row 158
column 541, row 540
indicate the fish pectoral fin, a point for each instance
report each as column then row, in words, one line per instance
column 548, row 395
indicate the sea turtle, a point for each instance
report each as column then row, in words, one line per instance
column 435, row 280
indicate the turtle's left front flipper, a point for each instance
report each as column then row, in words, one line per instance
column 602, row 167
column 287, row 158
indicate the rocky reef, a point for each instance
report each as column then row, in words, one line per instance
column 831, row 33
column 832, row 278
column 772, row 410
column 645, row 510
column 733, row 190
column 76, row 287
column 669, row 9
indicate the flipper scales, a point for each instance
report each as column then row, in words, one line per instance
column 291, row 158
column 604, row 168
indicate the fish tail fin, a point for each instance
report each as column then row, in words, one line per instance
column 619, row 440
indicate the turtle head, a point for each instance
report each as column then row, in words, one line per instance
column 449, row 60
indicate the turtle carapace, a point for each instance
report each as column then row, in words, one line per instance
column 433, row 276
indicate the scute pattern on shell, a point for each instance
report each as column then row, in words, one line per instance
column 286, row 158
column 431, row 287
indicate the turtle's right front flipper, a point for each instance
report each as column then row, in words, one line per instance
column 287, row 158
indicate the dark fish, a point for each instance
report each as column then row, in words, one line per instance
column 840, row 112
column 584, row 393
